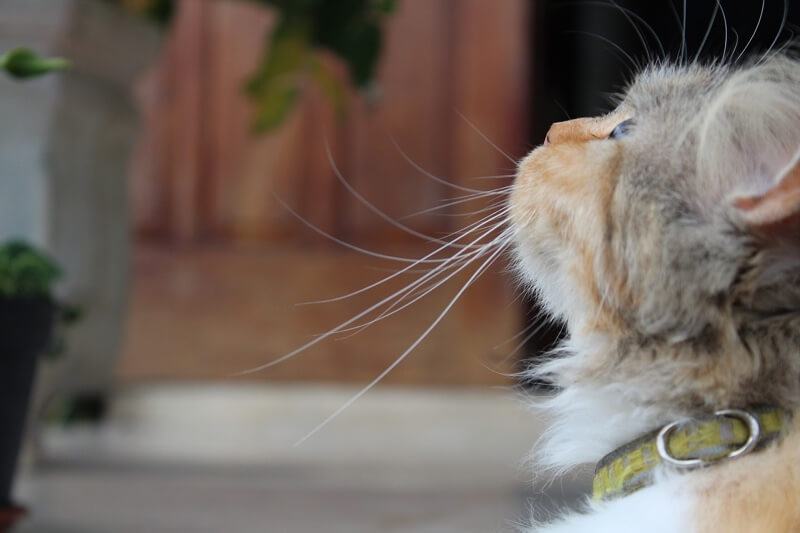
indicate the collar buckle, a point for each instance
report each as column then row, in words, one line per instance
column 748, row 418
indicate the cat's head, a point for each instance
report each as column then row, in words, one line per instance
column 665, row 233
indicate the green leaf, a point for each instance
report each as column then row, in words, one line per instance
column 23, row 63
column 350, row 29
column 353, row 30
column 329, row 84
column 288, row 53
column 26, row 272
column 273, row 106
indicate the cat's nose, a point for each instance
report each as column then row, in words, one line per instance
column 576, row 130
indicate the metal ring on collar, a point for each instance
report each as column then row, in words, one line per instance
column 750, row 420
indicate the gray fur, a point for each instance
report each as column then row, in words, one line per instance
column 706, row 309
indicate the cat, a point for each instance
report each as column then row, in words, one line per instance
column 666, row 234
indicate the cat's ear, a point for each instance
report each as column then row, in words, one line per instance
column 779, row 204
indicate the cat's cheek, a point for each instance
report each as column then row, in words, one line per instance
column 542, row 275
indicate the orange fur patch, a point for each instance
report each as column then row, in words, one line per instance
column 757, row 493
column 567, row 186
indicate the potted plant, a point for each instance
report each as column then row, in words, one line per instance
column 27, row 315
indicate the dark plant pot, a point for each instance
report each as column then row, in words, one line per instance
column 25, row 328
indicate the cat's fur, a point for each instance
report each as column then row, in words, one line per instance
column 673, row 255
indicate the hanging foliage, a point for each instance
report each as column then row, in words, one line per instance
column 351, row 30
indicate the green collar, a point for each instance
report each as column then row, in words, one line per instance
column 687, row 444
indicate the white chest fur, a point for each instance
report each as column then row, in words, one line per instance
column 665, row 507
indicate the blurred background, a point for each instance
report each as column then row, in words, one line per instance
column 169, row 199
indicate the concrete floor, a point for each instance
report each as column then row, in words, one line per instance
column 211, row 459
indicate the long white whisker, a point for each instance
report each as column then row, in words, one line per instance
column 485, row 137
column 633, row 64
column 628, row 13
column 684, row 44
column 495, row 177
column 460, row 265
column 473, row 213
column 735, row 41
column 782, row 26
column 708, row 31
column 484, row 266
column 329, row 333
column 752, row 35
column 416, row 293
column 430, row 175
column 369, row 205
column 635, row 28
column 454, row 202
column 353, row 246
column 503, row 210
column 725, row 24
column 406, row 269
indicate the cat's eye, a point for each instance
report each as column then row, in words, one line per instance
column 622, row 129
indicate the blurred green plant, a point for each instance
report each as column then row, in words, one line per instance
column 352, row 30
column 23, row 63
column 25, row 272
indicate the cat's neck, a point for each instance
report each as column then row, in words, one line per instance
column 588, row 422
column 608, row 400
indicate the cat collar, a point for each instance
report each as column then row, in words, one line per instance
column 687, row 444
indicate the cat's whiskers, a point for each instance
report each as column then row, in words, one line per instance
column 480, row 270
column 496, row 177
column 782, row 26
column 360, row 249
column 473, row 213
column 325, row 335
column 627, row 14
column 441, row 262
column 430, row 175
column 633, row 64
column 725, row 26
column 501, row 191
column 416, row 289
column 752, row 35
column 684, row 44
column 369, row 205
column 681, row 26
column 485, row 137
column 708, row 31
column 417, row 292
column 735, row 41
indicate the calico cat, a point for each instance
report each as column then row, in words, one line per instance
column 666, row 234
